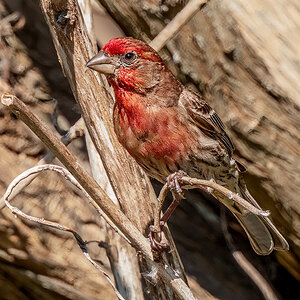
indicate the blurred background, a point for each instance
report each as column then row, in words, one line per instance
column 244, row 58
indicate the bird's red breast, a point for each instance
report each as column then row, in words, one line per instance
column 140, row 129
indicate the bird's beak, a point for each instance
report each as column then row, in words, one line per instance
column 102, row 63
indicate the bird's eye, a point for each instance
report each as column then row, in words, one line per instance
column 129, row 57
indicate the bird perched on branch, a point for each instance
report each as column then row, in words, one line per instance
column 168, row 128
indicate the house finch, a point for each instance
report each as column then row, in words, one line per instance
column 168, row 128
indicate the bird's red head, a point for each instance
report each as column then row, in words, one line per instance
column 130, row 64
column 121, row 46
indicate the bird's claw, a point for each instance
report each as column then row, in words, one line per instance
column 174, row 181
column 158, row 241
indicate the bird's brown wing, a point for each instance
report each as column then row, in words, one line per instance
column 206, row 118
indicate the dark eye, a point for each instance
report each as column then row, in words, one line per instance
column 130, row 57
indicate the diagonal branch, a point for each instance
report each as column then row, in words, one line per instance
column 69, row 160
column 177, row 22
column 73, row 133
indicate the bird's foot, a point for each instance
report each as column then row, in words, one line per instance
column 174, row 182
column 158, row 241
column 157, row 238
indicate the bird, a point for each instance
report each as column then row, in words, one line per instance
column 168, row 128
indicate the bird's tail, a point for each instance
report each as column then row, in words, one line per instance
column 262, row 233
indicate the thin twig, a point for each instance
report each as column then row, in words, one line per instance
column 192, row 183
column 245, row 264
column 84, row 249
column 67, row 175
column 30, row 174
column 177, row 22
column 165, row 272
column 77, row 130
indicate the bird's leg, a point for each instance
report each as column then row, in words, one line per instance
column 176, row 200
column 174, row 185
column 157, row 239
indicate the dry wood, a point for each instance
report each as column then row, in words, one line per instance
column 208, row 186
column 122, row 257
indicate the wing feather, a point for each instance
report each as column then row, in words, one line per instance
column 206, row 118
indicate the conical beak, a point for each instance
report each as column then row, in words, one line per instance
column 102, row 63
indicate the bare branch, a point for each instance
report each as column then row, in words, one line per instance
column 161, row 199
column 75, row 47
column 122, row 257
column 177, row 22
column 74, row 132
column 192, row 183
column 84, row 249
column 67, row 175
